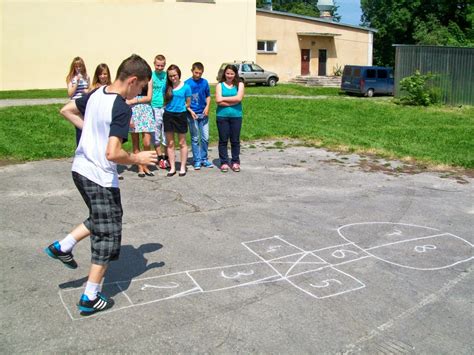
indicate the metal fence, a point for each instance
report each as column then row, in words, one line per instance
column 453, row 68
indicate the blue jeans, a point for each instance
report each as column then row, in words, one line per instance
column 229, row 129
column 199, row 128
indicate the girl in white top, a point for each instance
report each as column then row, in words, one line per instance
column 77, row 80
column 77, row 84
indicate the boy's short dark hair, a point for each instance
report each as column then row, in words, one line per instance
column 160, row 57
column 198, row 65
column 134, row 66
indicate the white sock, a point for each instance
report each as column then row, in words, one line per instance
column 68, row 243
column 91, row 290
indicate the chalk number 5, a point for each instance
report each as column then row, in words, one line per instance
column 325, row 283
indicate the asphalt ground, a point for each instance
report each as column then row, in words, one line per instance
column 303, row 251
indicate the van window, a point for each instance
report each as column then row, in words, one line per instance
column 357, row 73
column 255, row 67
column 347, row 71
column 381, row 74
column 246, row 68
column 370, row 74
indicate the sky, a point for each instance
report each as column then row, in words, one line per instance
column 349, row 10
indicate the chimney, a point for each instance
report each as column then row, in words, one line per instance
column 325, row 8
column 267, row 5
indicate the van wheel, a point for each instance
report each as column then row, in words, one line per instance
column 271, row 81
column 370, row 93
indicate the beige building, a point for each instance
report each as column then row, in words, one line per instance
column 39, row 38
column 293, row 45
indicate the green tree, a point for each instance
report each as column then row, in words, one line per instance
column 447, row 22
column 299, row 7
column 431, row 32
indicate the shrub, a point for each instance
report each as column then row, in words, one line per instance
column 419, row 90
column 337, row 70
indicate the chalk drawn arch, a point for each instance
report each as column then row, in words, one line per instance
column 400, row 244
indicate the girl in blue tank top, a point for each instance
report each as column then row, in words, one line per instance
column 229, row 95
column 177, row 104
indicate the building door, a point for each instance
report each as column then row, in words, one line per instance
column 305, row 61
column 322, row 62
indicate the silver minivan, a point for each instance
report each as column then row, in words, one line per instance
column 251, row 73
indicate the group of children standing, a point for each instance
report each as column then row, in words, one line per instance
column 168, row 106
column 158, row 105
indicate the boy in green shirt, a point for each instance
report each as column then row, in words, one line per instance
column 158, row 78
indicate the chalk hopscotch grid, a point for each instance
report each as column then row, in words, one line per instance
column 269, row 279
column 278, row 276
column 304, row 253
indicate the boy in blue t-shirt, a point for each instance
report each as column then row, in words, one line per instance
column 198, row 119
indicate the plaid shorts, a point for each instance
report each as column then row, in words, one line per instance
column 105, row 218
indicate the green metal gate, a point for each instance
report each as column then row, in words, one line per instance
column 453, row 68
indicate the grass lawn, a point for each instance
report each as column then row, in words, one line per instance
column 433, row 135
column 436, row 135
column 281, row 89
column 33, row 94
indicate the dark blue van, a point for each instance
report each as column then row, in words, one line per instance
column 367, row 80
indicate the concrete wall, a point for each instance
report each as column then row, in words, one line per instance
column 350, row 45
column 39, row 38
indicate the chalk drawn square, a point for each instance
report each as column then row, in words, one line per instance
column 427, row 253
column 272, row 248
column 222, row 278
column 297, row 264
column 158, row 288
column 70, row 298
column 325, row 283
column 369, row 235
column 340, row 254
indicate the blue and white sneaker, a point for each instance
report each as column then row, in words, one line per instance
column 197, row 166
column 207, row 164
column 54, row 251
column 88, row 307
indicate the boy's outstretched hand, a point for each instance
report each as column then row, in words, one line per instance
column 147, row 157
column 116, row 154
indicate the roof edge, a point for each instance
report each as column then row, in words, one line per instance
column 288, row 14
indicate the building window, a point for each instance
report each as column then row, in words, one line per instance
column 266, row 47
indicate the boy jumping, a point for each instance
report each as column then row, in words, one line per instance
column 104, row 118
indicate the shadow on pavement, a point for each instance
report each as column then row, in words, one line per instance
column 131, row 264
